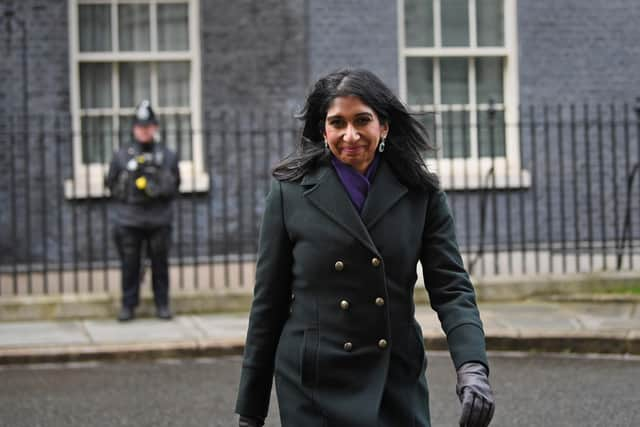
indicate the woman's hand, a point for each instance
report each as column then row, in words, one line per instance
column 476, row 397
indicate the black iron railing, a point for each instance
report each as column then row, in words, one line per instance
column 556, row 191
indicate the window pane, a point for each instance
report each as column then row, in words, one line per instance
column 455, row 134
column 173, row 84
column 125, row 132
column 135, row 84
column 491, row 134
column 489, row 79
column 133, row 27
column 418, row 23
column 95, row 85
column 420, row 81
column 175, row 131
column 97, row 139
column 455, row 22
column 95, row 27
column 490, row 22
column 173, row 27
column 454, row 79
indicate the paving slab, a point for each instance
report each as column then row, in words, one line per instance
column 599, row 327
column 222, row 326
column 141, row 330
column 18, row 334
column 604, row 310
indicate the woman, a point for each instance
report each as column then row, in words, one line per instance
column 347, row 219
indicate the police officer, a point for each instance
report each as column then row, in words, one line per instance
column 143, row 179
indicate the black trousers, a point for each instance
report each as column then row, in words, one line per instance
column 156, row 241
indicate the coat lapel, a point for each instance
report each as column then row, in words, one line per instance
column 326, row 192
column 385, row 192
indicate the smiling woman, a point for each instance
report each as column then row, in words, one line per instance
column 353, row 132
column 349, row 216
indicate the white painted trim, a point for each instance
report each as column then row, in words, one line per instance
column 438, row 52
column 511, row 85
column 473, row 36
column 437, row 99
column 74, row 75
column 473, row 99
column 457, row 107
column 92, row 112
column 195, row 97
column 134, row 56
column 88, row 179
column 153, row 84
column 153, row 26
column 437, row 24
column 472, row 174
column 402, row 61
column 127, row 1
column 513, row 180
column 115, row 24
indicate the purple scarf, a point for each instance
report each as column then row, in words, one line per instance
column 356, row 184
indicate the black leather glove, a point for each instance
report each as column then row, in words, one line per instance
column 251, row 422
column 476, row 397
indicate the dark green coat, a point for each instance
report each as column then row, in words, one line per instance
column 333, row 311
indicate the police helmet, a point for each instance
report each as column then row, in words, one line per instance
column 144, row 114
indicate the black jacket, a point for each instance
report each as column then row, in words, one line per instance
column 149, row 207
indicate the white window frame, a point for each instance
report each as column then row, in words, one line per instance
column 88, row 179
column 469, row 173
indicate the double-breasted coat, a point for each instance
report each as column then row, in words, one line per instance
column 333, row 311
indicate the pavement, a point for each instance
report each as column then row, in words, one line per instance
column 593, row 324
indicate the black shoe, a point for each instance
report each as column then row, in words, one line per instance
column 126, row 314
column 163, row 312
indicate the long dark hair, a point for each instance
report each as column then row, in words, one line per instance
column 407, row 140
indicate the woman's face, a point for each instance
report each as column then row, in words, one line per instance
column 352, row 131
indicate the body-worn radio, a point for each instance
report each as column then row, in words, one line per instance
column 144, row 176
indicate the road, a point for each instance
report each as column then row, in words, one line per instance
column 531, row 390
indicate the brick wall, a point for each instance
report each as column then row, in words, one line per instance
column 46, row 82
column 46, row 24
column 253, row 53
column 579, row 50
column 357, row 33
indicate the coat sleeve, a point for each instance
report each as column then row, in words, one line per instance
column 175, row 170
column 448, row 284
column 112, row 174
column 269, row 310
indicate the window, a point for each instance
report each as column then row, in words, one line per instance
column 123, row 51
column 458, row 60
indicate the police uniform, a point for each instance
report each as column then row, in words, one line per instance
column 333, row 311
column 143, row 179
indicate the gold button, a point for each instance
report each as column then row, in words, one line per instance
column 293, row 296
column 375, row 262
column 344, row 304
column 379, row 302
column 339, row 266
column 382, row 343
column 348, row 346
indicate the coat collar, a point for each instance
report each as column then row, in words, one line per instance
column 326, row 193
column 385, row 192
